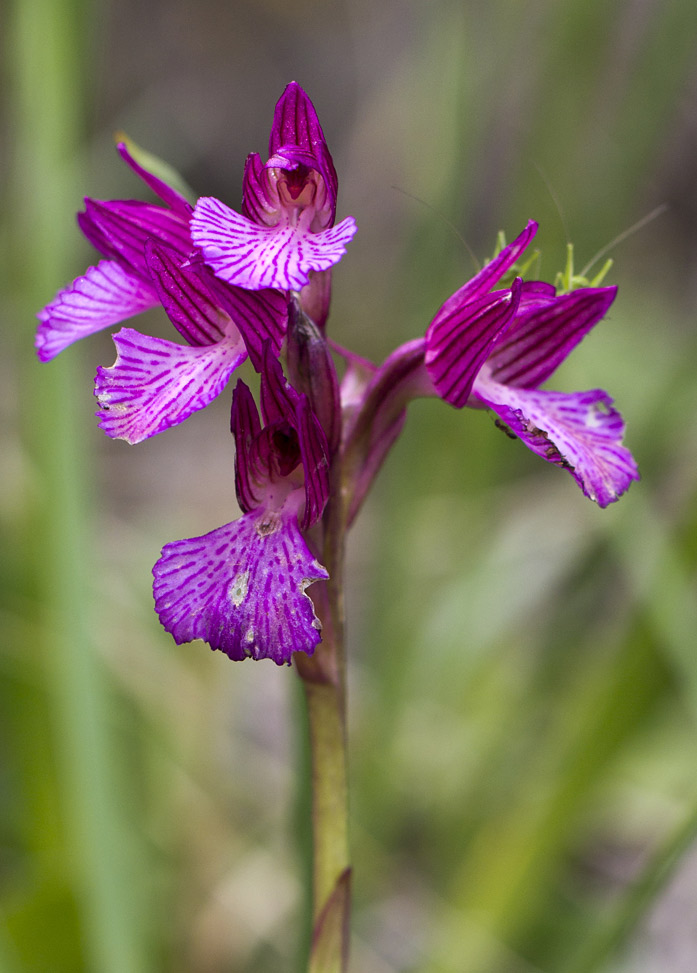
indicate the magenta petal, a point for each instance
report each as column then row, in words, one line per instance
column 295, row 123
column 120, row 228
column 260, row 316
column 291, row 157
column 257, row 205
column 544, row 333
column 535, row 293
column 246, row 428
column 280, row 402
column 490, row 274
column 94, row 234
column 168, row 195
column 314, row 453
column 460, row 338
column 253, row 256
column 155, row 384
column 277, row 396
column 107, row 294
column 185, row 296
column 241, row 588
column 579, row 431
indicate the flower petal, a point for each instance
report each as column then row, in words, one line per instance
column 107, row 294
column 259, row 316
column 459, row 340
column 314, row 453
column 280, row 402
column 542, row 335
column 246, row 428
column 578, row 431
column 96, row 237
column 241, row 588
column 167, row 194
column 155, row 384
column 257, row 204
column 119, row 228
column 536, row 293
column 277, row 396
column 295, row 123
column 254, row 256
column 292, row 157
column 185, row 296
column 312, row 369
column 491, row 273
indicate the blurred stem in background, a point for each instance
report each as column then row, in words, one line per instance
column 74, row 801
column 637, row 900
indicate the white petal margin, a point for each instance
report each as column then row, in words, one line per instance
column 579, row 431
column 155, row 384
column 107, row 294
column 241, row 588
column 250, row 255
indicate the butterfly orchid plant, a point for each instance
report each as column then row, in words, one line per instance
column 257, row 285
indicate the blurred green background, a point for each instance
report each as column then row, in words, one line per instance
column 523, row 664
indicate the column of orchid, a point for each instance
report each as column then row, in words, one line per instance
column 257, row 285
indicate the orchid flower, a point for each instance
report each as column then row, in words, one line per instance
column 493, row 349
column 503, row 365
column 241, row 587
column 154, row 383
column 286, row 230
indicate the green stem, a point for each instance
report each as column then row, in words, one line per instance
column 324, row 678
column 329, row 952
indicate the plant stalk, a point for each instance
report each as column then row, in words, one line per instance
column 324, row 680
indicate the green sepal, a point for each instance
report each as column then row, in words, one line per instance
column 567, row 281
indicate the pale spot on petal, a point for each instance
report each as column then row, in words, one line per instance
column 238, row 592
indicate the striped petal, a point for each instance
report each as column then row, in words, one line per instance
column 260, row 202
column 107, row 294
column 543, row 334
column 120, row 228
column 155, row 384
column 314, row 453
column 260, row 316
column 168, row 194
column 460, row 338
column 241, row 588
column 246, row 429
column 185, row 296
column 280, row 403
column 492, row 272
column 578, row 431
column 254, row 256
column 295, row 124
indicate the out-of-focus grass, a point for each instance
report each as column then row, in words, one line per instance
column 524, row 680
column 75, row 891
